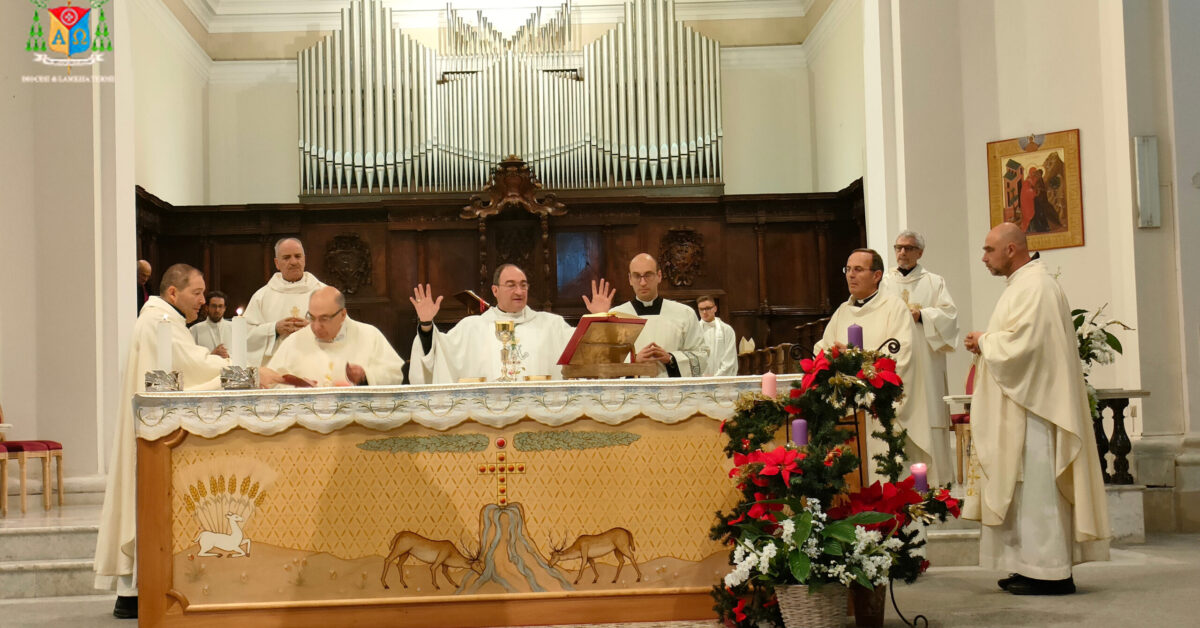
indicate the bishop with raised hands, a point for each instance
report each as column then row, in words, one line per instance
column 276, row 311
column 478, row 349
column 333, row 350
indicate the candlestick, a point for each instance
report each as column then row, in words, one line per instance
column 855, row 336
column 800, row 432
column 920, row 480
column 165, row 363
column 769, row 386
column 237, row 352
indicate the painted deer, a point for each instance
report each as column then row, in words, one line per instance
column 437, row 553
column 231, row 542
column 588, row 547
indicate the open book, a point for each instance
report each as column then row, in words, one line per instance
column 602, row 339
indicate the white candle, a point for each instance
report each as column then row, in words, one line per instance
column 237, row 352
column 164, row 345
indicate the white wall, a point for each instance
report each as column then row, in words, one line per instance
column 171, row 99
column 765, row 115
column 252, row 130
column 835, row 66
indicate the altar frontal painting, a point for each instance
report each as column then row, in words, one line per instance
column 1034, row 182
column 410, row 514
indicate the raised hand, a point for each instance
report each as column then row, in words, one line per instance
column 602, row 296
column 423, row 302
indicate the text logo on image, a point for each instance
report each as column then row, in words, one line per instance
column 68, row 31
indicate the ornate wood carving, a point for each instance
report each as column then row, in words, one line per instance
column 681, row 255
column 348, row 262
column 513, row 185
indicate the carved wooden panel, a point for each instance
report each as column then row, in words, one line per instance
column 772, row 261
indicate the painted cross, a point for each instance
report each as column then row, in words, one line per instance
column 501, row 468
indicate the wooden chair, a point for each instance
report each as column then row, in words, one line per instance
column 22, row 451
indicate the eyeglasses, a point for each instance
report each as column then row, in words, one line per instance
column 643, row 276
column 323, row 319
column 707, row 308
column 846, row 270
column 513, row 285
column 906, row 247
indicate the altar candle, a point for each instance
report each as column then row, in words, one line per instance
column 920, row 481
column 854, row 335
column 237, row 352
column 800, row 432
column 164, row 345
column 769, row 387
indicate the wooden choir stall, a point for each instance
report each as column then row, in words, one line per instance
column 464, row 505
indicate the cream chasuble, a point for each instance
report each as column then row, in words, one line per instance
column 302, row 355
column 674, row 327
column 1029, row 363
column 210, row 335
column 934, row 336
column 882, row 318
column 722, row 348
column 198, row 370
column 472, row 350
column 273, row 302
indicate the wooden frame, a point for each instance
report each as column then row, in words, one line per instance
column 1035, row 182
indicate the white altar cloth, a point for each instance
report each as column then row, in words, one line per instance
column 441, row 407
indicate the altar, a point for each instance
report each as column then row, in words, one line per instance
column 451, row 505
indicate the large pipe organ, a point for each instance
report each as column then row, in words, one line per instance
column 381, row 113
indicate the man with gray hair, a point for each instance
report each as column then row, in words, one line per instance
column 276, row 311
column 935, row 333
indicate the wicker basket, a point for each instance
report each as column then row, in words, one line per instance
column 824, row 608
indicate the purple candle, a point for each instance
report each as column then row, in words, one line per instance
column 854, row 336
column 920, row 480
column 800, row 432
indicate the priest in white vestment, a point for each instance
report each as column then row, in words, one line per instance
column 672, row 335
column 883, row 318
column 180, row 297
column 277, row 309
column 719, row 338
column 935, row 327
column 214, row 332
column 471, row 350
column 1039, row 494
column 334, row 350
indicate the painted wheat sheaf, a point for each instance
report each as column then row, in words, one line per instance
column 214, row 489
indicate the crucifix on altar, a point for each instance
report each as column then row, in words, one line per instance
column 501, row 468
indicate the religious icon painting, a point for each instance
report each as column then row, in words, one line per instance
column 1035, row 183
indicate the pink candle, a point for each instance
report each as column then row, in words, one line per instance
column 920, row 480
column 800, row 432
column 854, row 336
column 769, row 388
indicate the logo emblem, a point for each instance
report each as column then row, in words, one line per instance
column 70, row 31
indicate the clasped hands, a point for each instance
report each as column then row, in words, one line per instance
column 971, row 342
column 285, row 327
column 355, row 376
column 653, row 353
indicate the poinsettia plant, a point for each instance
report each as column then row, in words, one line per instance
column 797, row 523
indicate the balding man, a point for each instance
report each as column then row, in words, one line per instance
column 1040, row 494
column 935, row 334
column 881, row 317
column 471, row 350
column 334, row 350
column 276, row 311
column 672, row 336
column 179, row 299
column 143, row 277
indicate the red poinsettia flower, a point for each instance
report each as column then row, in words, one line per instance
column 887, row 498
column 792, row 410
column 883, row 370
column 811, row 368
column 740, row 518
column 781, row 461
column 739, row 611
column 951, row 503
column 764, row 512
column 795, row 393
